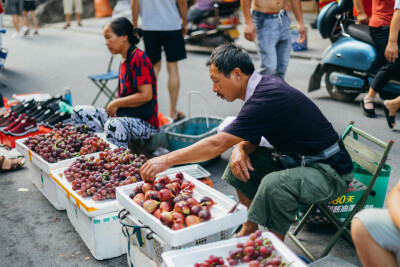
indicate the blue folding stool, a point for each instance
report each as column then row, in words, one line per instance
column 101, row 81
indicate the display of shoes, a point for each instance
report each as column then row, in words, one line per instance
column 13, row 124
column 26, row 126
column 63, row 117
column 8, row 121
column 5, row 117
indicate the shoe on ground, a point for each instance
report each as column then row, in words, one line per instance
column 17, row 34
column 13, row 124
column 26, row 126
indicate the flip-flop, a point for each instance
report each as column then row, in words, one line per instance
column 15, row 164
column 390, row 119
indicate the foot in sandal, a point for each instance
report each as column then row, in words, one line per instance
column 11, row 164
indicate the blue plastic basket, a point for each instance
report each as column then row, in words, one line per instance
column 188, row 131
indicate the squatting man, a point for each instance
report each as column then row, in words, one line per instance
column 291, row 123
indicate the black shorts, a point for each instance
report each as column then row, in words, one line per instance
column 29, row 5
column 171, row 41
column 14, row 7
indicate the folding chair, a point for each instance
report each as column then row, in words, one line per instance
column 368, row 158
column 101, row 81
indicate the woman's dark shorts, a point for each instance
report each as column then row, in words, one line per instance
column 29, row 5
column 14, row 7
column 171, row 41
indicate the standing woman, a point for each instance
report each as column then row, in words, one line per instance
column 133, row 115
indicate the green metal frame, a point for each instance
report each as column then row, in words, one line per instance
column 333, row 219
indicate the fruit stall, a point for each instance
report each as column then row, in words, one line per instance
column 177, row 220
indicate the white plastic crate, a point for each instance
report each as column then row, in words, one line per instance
column 48, row 187
column 101, row 234
column 194, row 170
column 188, row 257
column 86, row 204
column 154, row 247
column 221, row 219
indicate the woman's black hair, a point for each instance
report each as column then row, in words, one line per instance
column 122, row 26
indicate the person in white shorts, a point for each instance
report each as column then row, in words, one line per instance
column 376, row 233
column 68, row 4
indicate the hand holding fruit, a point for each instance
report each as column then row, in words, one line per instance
column 153, row 167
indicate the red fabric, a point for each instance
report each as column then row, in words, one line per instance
column 1, row 9
column 142, row 73
column 382, row 13
column 367, row 8
column 322, row 3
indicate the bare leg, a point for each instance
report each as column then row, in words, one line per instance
column 393, row 105
column 157, row 67
column 173, row 87
column 16, row 21
column 26, row 19
column 35, row 21
column 369, row 98
column 67, row 21
column 370, row 253
column 78, row 19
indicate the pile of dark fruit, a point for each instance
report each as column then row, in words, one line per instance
column 98, row 177
column 172, row 203
column 65, row 142
column 256, row 252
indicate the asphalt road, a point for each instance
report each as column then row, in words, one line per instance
column 33, row 233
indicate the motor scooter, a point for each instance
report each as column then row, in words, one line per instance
column 3, row 52
column 216, row 26
column 351, row 62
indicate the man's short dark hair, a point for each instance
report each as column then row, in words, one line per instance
column 227, row 57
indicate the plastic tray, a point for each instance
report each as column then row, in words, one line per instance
column 221, row 220
column 188, row 257
column 194, row 170
column 41, row 163
column 154, row 247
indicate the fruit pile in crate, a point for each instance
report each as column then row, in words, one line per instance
column 171, row 202
column 260, row 249
column 65, row 142
column 98, row 177
column 256, row 251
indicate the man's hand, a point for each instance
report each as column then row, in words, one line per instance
column 153, row 167
column 363, row 18
column 240, row 164
column 184, row 30
column 303, row 33
column 249, row 31
column 392, row 51
column 112, row 108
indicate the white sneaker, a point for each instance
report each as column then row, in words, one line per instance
column 16, row 35
column 24, row 31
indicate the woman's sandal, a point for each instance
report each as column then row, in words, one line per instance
column 367, row 112
column 390, row 119
column 15, row 164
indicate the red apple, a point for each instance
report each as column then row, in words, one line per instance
column 165, row 195
column 164, row 179
column 176, row 199
column 204, row 215
column 179, row 175
column 147, row 187
column 150, row 205
column 178, row 217
column 182, row 207
column 152, row 194
column 165, row 206
column 177, row 187
column 176, row 180
column 166, row 217
column 192, row 220
column 157, row 213
column 191, row 202
column 194, row 210
column 172, row 188
column 139, row 198
column 159, row 186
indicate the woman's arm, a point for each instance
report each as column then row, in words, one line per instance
column 144, row 95
column 392, row 48
column 393, row 204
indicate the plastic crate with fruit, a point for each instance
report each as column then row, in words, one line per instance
column 218, row 216
column 152, row 246
column 270, row 252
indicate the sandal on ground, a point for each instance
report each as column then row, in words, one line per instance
column 178, row 116
column 390, row 119
column 66, row 26
column 16, row 164
column 367, row 112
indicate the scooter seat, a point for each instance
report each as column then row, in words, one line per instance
column 361, row 33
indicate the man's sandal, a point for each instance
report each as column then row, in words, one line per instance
column 15, row 164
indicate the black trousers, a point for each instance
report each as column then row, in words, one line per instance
column 388, row 71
